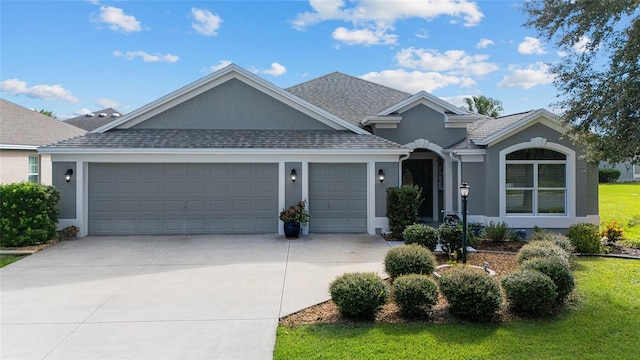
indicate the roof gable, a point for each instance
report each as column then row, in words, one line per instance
column 216, row 79
column 22, row 128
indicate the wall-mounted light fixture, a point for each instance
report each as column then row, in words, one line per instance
column 293, row 175
column 381, row 175
column 67, row 175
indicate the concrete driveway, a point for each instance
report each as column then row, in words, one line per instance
column 170, row 297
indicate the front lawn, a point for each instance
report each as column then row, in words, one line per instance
column 604, row 323
column 8, row 259
column 621, row 203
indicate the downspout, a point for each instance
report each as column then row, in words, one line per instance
column 459, row 161
column 402, row 158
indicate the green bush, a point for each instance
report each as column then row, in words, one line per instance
column 608, row 175
column 409, row 259
column 451, row 238
column 402, row 208
column 28, row 214
column 358, row 295
column 414, row 294
column 585, row 238
column 422, row 235
column 556, row 238
column 471, row 293
column 497, row 231
column 557, row 271
column 529, row 292
column 542, row 249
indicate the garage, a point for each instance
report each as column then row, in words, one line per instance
column 182, row 198
column 338, row 197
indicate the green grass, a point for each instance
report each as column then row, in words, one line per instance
column 605, row 323
column 621, row 203
column 8, row 259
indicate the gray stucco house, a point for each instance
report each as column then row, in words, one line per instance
column 217, row 155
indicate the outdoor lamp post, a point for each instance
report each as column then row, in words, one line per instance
column 464, row 192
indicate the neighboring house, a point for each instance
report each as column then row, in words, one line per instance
column 628, row 172
column 22, row 131
column 217, row 155
column 94, row 120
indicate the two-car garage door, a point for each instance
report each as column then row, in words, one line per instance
column 183, row 198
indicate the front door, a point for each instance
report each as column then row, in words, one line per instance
column 420, row 172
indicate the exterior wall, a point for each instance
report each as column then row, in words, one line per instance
column 422, row 122
column 232, row 105
column 475, row 175
column 14, row 166
column 391, row 179
column 67, row 203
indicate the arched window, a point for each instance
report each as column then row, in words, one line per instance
column 536, row 182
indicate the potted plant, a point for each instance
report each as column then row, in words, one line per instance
column 293, row 217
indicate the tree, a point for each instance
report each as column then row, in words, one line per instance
column 599, row 81
column 48, row 113
column 484, row 105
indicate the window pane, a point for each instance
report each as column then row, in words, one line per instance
column 519, row 175
column 519, row 201
column 536, row 154
column 33, row 178
column 551, row 175
column 551, row 202
column 33, row 165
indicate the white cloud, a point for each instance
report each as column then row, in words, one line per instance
column 380, row 16
column 484, row 43
column 387, row 12
column 107, row 103
column 221, row 64
column 365, row 37
column 581, row 45
column 456, row 62
column 458, row 100
column 118, row 20
column 415, row 81
column 531, row 46
column 205, row 23
column 533, row 75
column 422, row 34
column 146, row 57
column 275, row 70
column 45, row 92
column 83, row 111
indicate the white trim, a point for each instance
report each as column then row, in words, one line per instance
column 387, row 122
column 423, row 98
column 221, row 76
column 570, row 178
column 18, row 147
column 218, row 151
column 281, row 193
column 371, row 195
column 305, row 191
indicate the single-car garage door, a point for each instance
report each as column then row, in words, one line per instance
column 182, row 198
column 338, row 197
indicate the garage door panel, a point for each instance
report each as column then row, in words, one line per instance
column 180, row 198
column 338, row 197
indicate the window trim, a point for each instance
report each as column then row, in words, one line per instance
column 37, row 174
column 570, row 185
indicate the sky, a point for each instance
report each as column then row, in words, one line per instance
column 75, row 57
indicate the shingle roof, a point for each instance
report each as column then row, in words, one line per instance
column 94, row 120
column 23, row 127
column 481, row 129
column 227, row 139
column 348, row 97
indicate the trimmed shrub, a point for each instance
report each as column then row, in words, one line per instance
column 585, row 238
column 415, row 294
column 608, row 175
column 358, row 295
column 422, row 235
column 402, row 208
column 472, row 294
column 557, row 271
column 529, row 292
column 497, row 231
column 555, row 238
column 28, row 214
column 542, row 249
column 409, row 259
column 451, row 238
